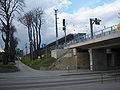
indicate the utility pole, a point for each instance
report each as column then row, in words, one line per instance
column 91, row 27
column 64, row 29
column 46, row 54
column 56, row 28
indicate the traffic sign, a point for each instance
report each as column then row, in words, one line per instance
column 43, row 45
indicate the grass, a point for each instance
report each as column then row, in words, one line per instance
column 7, row 65
column 37, row 64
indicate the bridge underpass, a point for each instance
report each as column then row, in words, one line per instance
column 103, row 52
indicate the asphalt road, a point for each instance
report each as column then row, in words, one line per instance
column 29, row 79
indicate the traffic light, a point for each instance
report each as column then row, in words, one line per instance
column 64, row 28
column 63, row 22
column 97, row 21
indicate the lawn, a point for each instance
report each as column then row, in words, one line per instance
column 38, row 64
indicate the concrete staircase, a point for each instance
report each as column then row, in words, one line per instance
column 66, row 61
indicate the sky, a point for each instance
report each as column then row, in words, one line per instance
column 77, row 14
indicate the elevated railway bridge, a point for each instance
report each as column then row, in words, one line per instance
column 103, row 49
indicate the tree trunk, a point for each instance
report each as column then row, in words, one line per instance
column 34, row 40
column 6, row 54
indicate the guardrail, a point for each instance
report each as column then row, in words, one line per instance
column 110, row 75
column 97, row 34
column 97, row 76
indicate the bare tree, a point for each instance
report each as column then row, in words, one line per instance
column 33, row 21
column 27, row 20
column 37, row 22
column 13, row 43
column 8, row 8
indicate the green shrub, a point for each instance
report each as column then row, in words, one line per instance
column 37, row 64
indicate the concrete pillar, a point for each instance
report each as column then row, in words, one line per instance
column 75, row 57
column 98, row 59
column 91, row 59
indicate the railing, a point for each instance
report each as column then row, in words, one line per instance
column 97, row 34
column 107, row 76
column 98, row 76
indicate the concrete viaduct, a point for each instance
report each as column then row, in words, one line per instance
column 103, row 50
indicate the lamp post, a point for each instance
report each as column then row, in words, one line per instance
column 92, row 21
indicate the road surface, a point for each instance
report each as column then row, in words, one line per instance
column 29, row 79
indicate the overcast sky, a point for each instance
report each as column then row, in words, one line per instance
column 77, row 14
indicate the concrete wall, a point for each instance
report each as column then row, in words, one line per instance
column 65, row 62
column 83, row 61
column 98, row 59
column 58, row 53
column 117, row 59
column 71, row 60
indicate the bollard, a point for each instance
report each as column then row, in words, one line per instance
column 68, row 68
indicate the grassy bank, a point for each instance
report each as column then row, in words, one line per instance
column 8, row 68
column 38, row 64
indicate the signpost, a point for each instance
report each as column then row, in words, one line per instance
column 43, row 45
column 17, row 50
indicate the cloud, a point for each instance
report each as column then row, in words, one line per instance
column 80, row 19
column 76, row 22
column 48, row 29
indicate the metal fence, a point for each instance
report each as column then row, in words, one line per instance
column 97, row 34
column 98, row 76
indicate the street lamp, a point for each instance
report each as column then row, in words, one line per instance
column 92, row 21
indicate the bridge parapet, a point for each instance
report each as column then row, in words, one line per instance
column 97, row 34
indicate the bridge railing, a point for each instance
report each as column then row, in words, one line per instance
column 104, row 32
column 97, row 34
